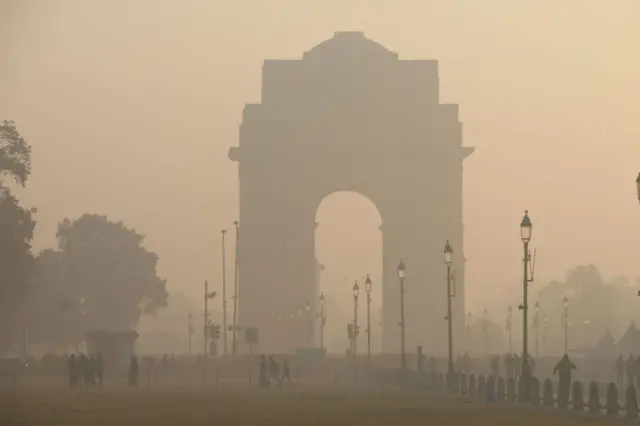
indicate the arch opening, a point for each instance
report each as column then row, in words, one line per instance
column 348, row 246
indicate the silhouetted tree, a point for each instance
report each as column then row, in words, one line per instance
column 16, row 230
column 15, row 154
column 110, row 278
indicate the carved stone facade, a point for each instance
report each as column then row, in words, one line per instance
column 350, row 116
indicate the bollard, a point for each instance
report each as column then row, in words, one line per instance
column 534, row 388
column 631, row 403
column 594, row 398
column 511, row 389
column 547, row 394
column 577, row 397
column 500, row 392
column 613, row 408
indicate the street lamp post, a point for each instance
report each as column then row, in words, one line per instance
column 323, row 320
column 565, row 323
column 224, row 293
column 525, row 234
column 509, row 327
column 356, row 293
column 469, row 342
column 638, row 186
column 401, row 275
column 545, row 325
column 368, row 287
column 207, row 322
column 234, row 343
column 190, row 320
column 448, row 260
column 536, row 324
column 485, row 329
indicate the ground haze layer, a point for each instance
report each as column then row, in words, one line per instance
column 240, row 407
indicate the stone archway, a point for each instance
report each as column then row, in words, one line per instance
column 349, row 116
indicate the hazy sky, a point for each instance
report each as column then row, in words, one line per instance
column 131, row 107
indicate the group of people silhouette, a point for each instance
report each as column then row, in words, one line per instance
column 85, row 370
column 270, row 372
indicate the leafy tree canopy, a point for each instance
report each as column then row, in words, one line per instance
column 15, row 154
column 109, row 273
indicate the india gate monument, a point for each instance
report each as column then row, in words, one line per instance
column 350, row 116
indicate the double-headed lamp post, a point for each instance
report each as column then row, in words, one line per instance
column 401, row 275
column 448, row 260
column 565, row 323
column 323, row 320
column 356, row 294
column 525, row 234
column 368, row 287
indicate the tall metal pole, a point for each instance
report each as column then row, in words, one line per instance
column 224, row 294
column 369, row 327
column 525, row 317
column 450, row 367
column 234, row 348
column 566, row 327
column 322, row 321
column 190, row 320
column 510, row 328
column 355, row 326
column 403, row 358
column 206, row 317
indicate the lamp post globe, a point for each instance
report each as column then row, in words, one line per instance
column 401, row 270
column 565, row 302
column 526, row 227
column 638, row 186
column 368, row 284
column 356, row 290
column 448, row 254
column 321, row 299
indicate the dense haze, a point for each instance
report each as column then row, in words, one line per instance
column 131, row 107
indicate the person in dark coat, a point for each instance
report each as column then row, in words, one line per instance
column 83, row 366
column 264, row 381
column 508, row 366
column 620, row 371
column 274, row 370
column 563, row 369
column 134, row 370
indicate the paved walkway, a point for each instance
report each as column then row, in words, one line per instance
column 250, row 407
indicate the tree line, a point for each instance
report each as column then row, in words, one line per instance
column 99, row 277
